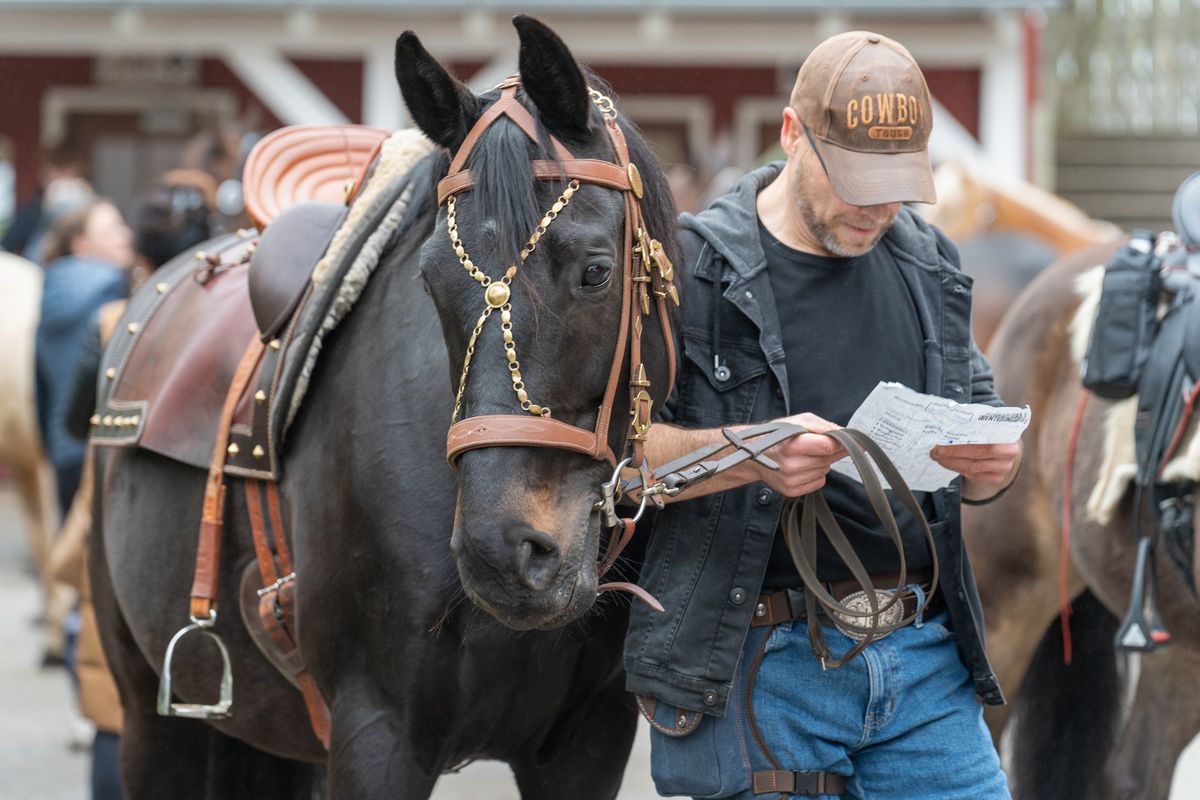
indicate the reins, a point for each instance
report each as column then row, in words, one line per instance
column 881, row 617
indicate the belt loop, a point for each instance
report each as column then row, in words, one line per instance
column 919, row 591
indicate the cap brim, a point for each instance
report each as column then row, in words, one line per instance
column 871, row 179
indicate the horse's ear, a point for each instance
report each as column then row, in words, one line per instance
column 441, row 106
column 551, row 78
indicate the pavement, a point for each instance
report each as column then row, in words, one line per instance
column 37, row 761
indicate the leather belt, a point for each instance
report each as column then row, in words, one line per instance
column 788, row 604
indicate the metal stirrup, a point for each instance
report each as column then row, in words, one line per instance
column 218, row 710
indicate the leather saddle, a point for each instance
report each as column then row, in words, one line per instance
column 169, row 367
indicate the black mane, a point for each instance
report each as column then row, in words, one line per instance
column 505, row 187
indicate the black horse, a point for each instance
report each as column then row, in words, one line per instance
column 417, row 679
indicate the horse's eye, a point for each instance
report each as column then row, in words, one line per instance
column 596, row 275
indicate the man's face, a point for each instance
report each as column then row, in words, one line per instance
column 842, row 229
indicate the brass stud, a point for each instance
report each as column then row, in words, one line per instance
column 110, row 373
column 108, row 420
column 161, row 288
column 250, row 248
column 95, row 420
column 118, row 422
column 258, row 451
column 135, row 420
column 233, row 449
column 635, row 180
column 201, row 255
column 260, row 396
column 133, row 327
column 276, row 344
column 497, row 294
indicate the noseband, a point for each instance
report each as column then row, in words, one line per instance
column 646, row 270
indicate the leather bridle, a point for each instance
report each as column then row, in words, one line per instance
column 646, row 273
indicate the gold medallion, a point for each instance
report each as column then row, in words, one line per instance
column 635, row 179
column 497, row 295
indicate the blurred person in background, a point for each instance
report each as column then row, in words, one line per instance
column 89, row 255
column 171, row 218
column 62, row 190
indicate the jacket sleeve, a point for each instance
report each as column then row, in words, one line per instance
column 983, row 389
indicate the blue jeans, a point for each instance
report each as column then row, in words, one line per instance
column 899, row 720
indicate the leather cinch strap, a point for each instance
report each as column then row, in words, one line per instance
column 277, row 598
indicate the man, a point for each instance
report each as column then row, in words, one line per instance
column 807, row 285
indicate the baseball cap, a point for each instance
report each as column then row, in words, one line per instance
column 864, row 102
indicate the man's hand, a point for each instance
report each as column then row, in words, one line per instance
column 986, row 468
column 803, row 460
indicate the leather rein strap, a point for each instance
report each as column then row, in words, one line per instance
column 801, row 537
column 212, row 521
column 641, row 279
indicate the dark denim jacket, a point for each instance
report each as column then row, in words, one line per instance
column 706, row 557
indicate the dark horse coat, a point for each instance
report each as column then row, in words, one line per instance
column 417, row 678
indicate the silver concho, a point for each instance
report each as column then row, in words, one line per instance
column 858, row 602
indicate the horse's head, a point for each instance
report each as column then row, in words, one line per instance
column 548, row 312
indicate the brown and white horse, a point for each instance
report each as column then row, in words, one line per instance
column 1074, row 736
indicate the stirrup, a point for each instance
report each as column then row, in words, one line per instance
column 1143, row 629
column 218, row 710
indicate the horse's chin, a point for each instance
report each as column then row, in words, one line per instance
column 552, row 608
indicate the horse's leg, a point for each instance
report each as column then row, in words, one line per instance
column 1067, row 711
column 159, row 756
column 585, row 756
column 1164, row 719
column 370, row 757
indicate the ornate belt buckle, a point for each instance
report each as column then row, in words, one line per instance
column 858, row 601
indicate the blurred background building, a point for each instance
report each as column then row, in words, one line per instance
column 134, row 87
column 1095, row 99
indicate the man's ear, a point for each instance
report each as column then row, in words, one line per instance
column 440, row 106
column 790, row 131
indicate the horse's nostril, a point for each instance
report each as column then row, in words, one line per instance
column 538, row 560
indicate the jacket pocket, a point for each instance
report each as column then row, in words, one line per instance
column 693, row 754
column 712, row 394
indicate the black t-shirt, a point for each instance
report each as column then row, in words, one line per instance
column 847, row 324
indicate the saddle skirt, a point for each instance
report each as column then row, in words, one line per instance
column 167, row 370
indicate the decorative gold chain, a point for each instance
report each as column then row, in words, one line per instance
column 497, row 294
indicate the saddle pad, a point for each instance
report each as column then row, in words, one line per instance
column 303, row 163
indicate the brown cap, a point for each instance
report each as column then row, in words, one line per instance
column 864, row 101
